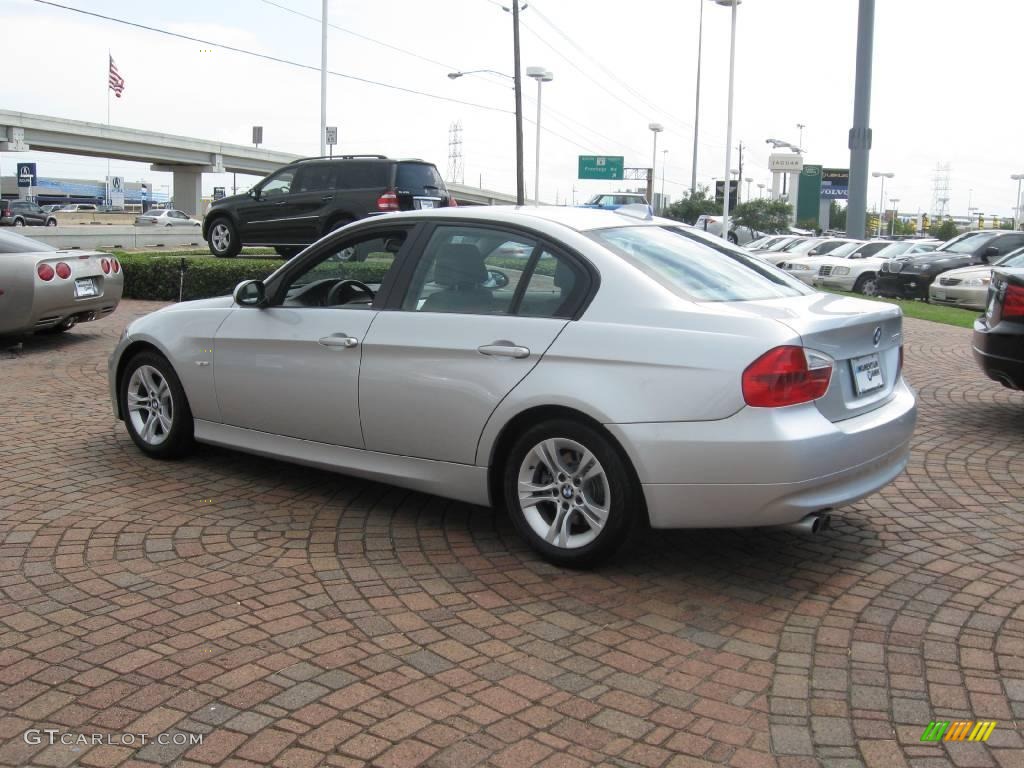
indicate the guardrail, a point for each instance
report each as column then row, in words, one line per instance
column 85, row 236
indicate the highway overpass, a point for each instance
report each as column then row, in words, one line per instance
column 187, row 158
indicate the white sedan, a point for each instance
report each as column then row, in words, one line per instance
column 859, row 273
column 166, row 217
column 623, row 371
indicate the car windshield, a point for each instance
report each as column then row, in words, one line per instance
column 845, row 250
column 892, row 250
column 966, row 243
column 694, row 268
column 801, row 246
column 869, row 249
column 14, row 243
column 1012, row 259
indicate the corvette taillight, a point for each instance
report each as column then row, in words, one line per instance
column 105, row 266
column 115, row 265
column 45, row 272
column 63, row 271
column 786, row 376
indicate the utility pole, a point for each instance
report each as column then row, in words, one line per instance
column 860, row 134
column 696, row 109
column 520, row 182
column 739, row 179
column 323, row 80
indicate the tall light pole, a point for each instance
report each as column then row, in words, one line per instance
column 728, row 124
column 881, row 200
column 800, row 141
column 895, row 212
column 696, row 109
column 664, row 162
column 323, row 80
column 748, row 180
column 518, row 82
column 542, row 76
column 655, row 128
column 860, row 134
column 760, row 191
column 1016, row 211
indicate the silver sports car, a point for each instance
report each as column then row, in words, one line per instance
column 43, row 289
column 589, row 370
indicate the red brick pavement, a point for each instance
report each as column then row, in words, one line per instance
column 301, row 618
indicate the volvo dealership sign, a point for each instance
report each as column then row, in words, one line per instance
column 835, row 183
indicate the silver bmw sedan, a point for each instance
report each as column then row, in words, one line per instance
column 588, row 370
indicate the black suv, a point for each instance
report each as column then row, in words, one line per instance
column 25, row 213
column 305, row 200
column 910, row 277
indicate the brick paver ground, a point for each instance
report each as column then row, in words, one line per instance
column 299, row 618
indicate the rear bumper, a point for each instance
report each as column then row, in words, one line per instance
column 1000, row 356
column 763, row 467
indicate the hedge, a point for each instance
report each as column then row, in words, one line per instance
column 158, row 277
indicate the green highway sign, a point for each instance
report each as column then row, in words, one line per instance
column 600, row 167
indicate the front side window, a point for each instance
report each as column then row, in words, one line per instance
column 328, row 280
column 696, row 270
column 279, row 184
column 469, row 270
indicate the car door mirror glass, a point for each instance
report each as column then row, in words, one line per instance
column 250, row 293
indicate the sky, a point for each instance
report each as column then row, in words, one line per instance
column 942, row 92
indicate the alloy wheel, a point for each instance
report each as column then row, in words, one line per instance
column 564, row 493
column 150, row 405
column 220, row 237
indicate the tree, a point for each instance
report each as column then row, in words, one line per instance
column 693, row 206
column 944, row 230
column 763, row 215
column 836, row 216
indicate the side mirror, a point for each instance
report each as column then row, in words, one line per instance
column 254, row 193
column 988, row 254
column 250, row 293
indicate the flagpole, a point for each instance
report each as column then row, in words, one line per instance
column 106, row 182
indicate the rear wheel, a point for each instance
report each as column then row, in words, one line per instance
column 154, row 407
column 569, row 493
column 734, row 238
column 51, row 222
column 866, row 284
column 223, row 239
column 19, row 222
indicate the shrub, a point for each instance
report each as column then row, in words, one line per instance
column 158, row 277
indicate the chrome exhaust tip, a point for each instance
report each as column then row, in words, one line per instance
column 815, row 522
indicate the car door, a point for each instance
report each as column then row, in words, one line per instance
column 458, row 336
column 260, row 217
column 292, row 367
column 311, row 192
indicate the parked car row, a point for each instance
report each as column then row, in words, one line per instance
column 24, row 213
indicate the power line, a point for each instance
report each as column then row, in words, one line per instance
column 268, row 57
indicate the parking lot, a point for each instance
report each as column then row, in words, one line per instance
column 294, row 617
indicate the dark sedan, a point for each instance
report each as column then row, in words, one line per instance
column 999, row 333
column 909, row 278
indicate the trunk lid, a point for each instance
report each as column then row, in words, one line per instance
column 850, row 331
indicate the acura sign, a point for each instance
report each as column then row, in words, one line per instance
column 26, row 174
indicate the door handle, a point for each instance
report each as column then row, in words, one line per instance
column 504, row 349
column 339, row 340
column 325, row 198
column 280, row 203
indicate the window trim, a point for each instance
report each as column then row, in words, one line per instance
column 403, row 277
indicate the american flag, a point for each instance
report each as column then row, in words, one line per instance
column 115, row 80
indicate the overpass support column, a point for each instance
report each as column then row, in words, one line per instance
column 188, row 191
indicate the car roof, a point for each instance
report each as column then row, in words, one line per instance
column 579, row 219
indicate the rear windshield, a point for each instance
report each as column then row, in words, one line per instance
column 695, row 269
column 357, row 174
column 13, row 243
column 418, row 178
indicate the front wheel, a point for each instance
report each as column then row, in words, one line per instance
column 154, row 407
column 51, row 222
column 569, row 493
column 867, row 285
column 223, row 239
column 19, row 222
column 734, row 238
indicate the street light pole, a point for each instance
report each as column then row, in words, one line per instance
column 696, row 109
column 881, row 200
column 518, row 80
column 541, row 75
column 728, row 124
column 1016, row 211
column 800, row 141
column 860, row 134
column 655, row 128
column 323, row 80
column 895, row 212
column 664, row 162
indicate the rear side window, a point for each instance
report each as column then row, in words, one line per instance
column 418, row 177
column 695, row 270
column 358, row 174
column 314, row 178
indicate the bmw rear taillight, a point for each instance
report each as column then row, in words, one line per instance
column 115, row 265
column 388, row 201
column 786, row 376
column 63, row 271
column 105, row 265
column 45, row 272
column 1013, row 301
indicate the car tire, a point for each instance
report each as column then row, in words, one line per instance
column 19, row 222
column 867, row 285
column 592, row 515
column 222, row 237
column 161, row 422
column 51, row 222
column 733, row 238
